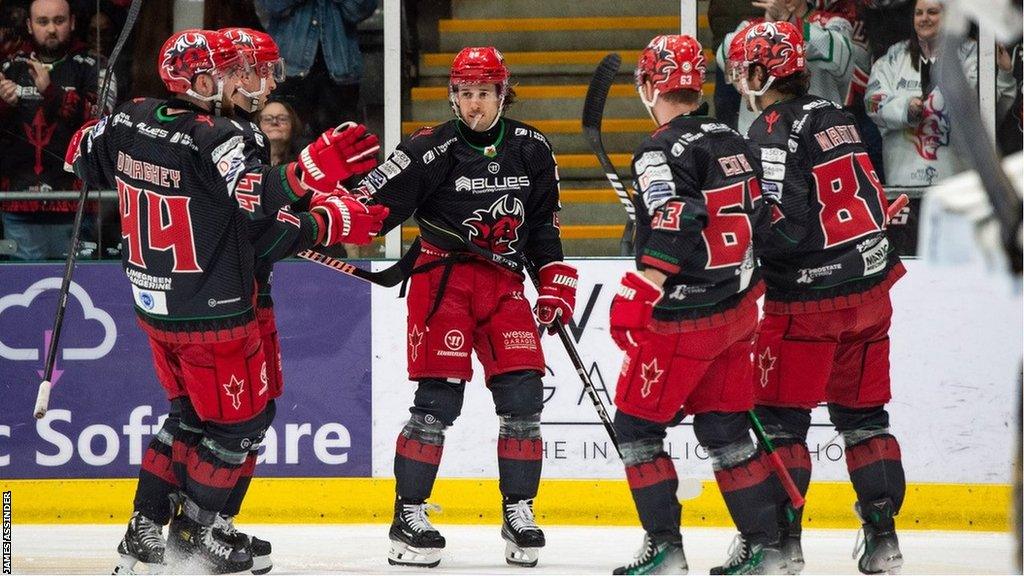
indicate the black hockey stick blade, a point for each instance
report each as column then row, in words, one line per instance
column 597, row 92
column 43, row 394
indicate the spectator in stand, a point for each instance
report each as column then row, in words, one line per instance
column 723, row 17
column 283, row 127
column 828, row 41
column 320, row 47
column 1009, row 133
column 908, row 107
column 46, row 93
column 12, row 29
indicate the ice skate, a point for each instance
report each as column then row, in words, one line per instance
column 789, row 542
column 523, row 539
column 879, row 548
column 748, row 558
column 143, row 543
column 259, row 548
column 414, row 541
column 196, row 547
column 655, row 558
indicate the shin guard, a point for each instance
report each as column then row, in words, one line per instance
column 417, row 457
column 748, row 489
column 157, row 480
column 520, row 456
column 876, row 471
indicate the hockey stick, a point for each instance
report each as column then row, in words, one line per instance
column 795, row 497
column 389, row 277
column 593, row 113
column 43, row 395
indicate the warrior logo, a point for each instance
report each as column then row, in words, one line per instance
column 189, row 53
column 497, row 228
column 650, row 375
column 765, row 363
column 767, row 46
column 234, row 390
column 932, row 132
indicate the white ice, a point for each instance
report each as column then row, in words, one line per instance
column 362, row 549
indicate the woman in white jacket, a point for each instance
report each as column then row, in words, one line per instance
column 909, row 109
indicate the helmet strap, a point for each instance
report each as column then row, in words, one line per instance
column 752, row 95
column 254, row 97
column 648, row 104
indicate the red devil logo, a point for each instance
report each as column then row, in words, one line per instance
column 189, row 53
column 664, row 61
column 768, row 46
column 497, row 228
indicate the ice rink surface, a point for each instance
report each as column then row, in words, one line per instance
column 362, row 549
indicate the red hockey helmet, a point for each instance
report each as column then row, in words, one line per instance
column 259, row 51
column 735, row 55
column 479, row 65
column 778, row 46
column 188, row 53
column 672, row 62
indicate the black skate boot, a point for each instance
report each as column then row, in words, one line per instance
column 414, row 541
column 789, row 540
column 881, row 549
column 748, row 558
column 656, row 558
column 259, row 548
column 143, row 542
column 523, row 539
column 201, row 548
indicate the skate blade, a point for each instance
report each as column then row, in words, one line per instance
column 262, row 564
column 128, row 563
column 525, row 557
column 401, row 554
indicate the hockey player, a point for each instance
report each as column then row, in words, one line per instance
column 486, row 184
column 686, row 318
column 828, row 267
column 186, row 192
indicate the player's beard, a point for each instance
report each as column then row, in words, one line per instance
column 227, row 107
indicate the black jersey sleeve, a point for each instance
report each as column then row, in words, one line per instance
column 407, row 178
column 232, row 169
column 670, row 197
column 544, row 243
column 287, row 234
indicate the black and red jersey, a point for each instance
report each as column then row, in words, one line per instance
column 502, row 196
column 830, row 238
column 276, row 237
column 187, row 190
column 40, row 125
column 698, row 207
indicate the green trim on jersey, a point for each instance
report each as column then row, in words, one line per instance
column 482, row 149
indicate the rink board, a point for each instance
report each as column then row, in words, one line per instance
column 956, row 343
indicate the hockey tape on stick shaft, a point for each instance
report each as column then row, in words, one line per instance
column 795, row 497
column 43, row 396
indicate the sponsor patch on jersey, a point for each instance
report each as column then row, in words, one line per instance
column 429, row 156
column 809, row 275
column 519, row 340
column 522, row 132
column 681, row 291
column 875, row 254
column 657, row 194
column 793, row 145
column 150, row 301
column 774, row 171
column 815, row 104
column 229, row 158
column 773, row 155
column 713, row 127
column 772, row 190
column 376, row 178
column 648, row 159
column 390, row 169
column 401, row 158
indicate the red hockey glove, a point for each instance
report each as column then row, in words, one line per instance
column 74, row 150
column 896, row 207
column 632, row 308
column 556, row 296
column 343, row 219
column 336, row 155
